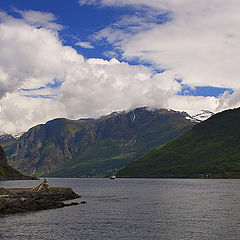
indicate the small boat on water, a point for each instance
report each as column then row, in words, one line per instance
column 113, row 176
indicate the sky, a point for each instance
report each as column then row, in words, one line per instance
column 88, row 58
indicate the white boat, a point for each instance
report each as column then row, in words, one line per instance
column 113, row 176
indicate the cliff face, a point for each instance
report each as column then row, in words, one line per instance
column 7, row 172
column 93, row 147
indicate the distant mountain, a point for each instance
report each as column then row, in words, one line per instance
column 5, row 138
column 7, row 172
column 94, row 147
column 8, row 138
column 210, row 149
column 202, row 116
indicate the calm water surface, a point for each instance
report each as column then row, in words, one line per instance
column 133, row 209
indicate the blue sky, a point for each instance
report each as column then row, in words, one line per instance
column 79, row 22
column 111, row 55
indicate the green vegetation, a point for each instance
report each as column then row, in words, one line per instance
column 210, row 149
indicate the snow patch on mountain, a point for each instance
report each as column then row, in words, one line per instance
column 7, row 137
column 203, row 115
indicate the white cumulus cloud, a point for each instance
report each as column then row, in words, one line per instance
column 84, row 44
column 40, row 19
column 200, row 40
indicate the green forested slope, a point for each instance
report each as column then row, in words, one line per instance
column 209, row 149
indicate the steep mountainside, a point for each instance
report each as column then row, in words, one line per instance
column 93, row 147
column 7, row 172
column 210, row 149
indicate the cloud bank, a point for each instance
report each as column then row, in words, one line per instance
column 33, row 58
column 41, row 79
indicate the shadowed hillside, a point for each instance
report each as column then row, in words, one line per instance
column 7, row 172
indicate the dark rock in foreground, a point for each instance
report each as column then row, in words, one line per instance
column 17, row 200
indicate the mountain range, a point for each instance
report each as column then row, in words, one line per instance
column 210, row 149
column 94, row 147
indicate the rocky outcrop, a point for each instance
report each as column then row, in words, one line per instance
column 9, row 173
column 23, row 200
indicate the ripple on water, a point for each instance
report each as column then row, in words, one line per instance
column 129, row 209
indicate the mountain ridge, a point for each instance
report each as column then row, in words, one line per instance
column 94, row 147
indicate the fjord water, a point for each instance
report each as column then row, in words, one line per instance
column 134, row 209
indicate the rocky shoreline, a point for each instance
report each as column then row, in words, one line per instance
column 17, row 200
